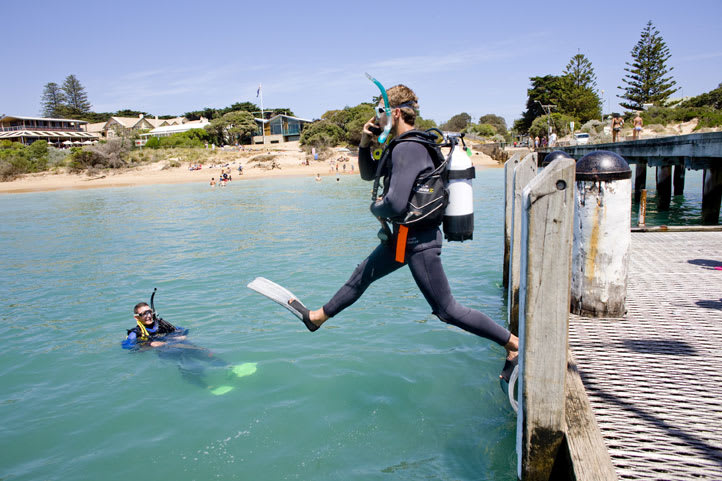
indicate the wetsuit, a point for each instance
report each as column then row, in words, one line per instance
column 423, row 248
column 156, row 330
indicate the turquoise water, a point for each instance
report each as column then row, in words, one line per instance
column 383, row 391
column 684, row 209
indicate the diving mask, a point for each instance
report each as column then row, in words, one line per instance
column 387, row 109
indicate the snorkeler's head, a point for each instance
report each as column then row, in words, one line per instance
column 403, row 98
column 143, row 312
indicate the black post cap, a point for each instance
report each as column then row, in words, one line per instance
column 603, row 165
column 552, row 156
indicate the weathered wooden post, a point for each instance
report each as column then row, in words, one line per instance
column 509, row 166
column 523, row 174
column 711, row 195
column 546, row 244
column 602, row 235
column 678, row 180
column 664, row 186
column 642, row 219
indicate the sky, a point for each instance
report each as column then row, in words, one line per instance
column 171, row 57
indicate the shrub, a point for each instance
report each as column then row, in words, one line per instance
column 592, row 127
column 559, row 122
column 322, row 134
column 17, row 159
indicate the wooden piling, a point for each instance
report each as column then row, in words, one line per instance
column 678, row 179
column 664, row 187
column 546, row 247
column 641, row 221
column 711, row 195
column 640, row 179
column 509, row 166
column 523, row 174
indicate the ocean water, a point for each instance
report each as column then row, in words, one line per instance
column 384, row 391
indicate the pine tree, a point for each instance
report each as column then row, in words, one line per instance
column 77, row 99
column 646, row 81
column 580, row 71
column 53, row 100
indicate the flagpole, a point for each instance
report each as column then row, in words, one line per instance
column 263, row 116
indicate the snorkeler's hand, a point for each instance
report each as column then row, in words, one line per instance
column 366, row 133
column 157, row 344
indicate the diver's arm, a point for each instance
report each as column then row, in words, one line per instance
column 130, row 342
column 406, row 166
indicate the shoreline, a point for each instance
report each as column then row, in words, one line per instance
column 156, row 173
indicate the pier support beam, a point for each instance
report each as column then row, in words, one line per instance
column 711, row 195
column 523, row 174
column 640, row 179
column 664, row 187
column 679, row 179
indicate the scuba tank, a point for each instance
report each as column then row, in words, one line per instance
column 459, row 214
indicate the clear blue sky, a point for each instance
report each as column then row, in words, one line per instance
column 476, row 57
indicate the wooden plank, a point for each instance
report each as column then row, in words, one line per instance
column 588, row 454
column 509, row 166
column 523, row 174
column 546, row 247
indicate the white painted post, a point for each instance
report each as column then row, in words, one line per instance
column 523, row 174
column 546, row 244
column 509, row 166
column 602, row 235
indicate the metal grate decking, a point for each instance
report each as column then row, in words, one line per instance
column 654, row 377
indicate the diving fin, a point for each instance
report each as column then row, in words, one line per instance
column 276, row 293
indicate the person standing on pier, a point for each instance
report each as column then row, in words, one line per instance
column 422, row 248
column 638, row 122
column 617, row 123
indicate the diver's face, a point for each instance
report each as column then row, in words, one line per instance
column 381, row 118
column 145, row 315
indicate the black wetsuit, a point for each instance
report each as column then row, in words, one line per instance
column 423, row 248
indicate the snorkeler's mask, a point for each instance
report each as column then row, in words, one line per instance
column 387, row 108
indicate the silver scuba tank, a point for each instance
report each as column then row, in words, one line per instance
column 459, row 213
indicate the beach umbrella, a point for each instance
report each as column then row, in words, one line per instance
column 68, row 142
column 88, row 142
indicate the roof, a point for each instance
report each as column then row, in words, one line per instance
column 127, row 122
column 174, row 129
column 19, row 117
column 95, row 127
column 46, row 133
column 282, row 115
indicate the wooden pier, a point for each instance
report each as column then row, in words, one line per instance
column 654, row 377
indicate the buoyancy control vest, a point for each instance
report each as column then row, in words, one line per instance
column 164, row 327
column 430, row 202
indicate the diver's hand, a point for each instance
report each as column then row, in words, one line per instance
column 366, row 133
column 157, row 344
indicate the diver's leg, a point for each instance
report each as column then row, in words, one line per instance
column 430, row 277
column 377, row 265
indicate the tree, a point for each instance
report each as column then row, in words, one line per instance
column 495, row 121
column 457, row 123
column 53, row 99
column 546, row 90
column 424, row 124
column 580, row 72
column 321, row 134
column 77, row 98
column 645, row 78
column 232, row 127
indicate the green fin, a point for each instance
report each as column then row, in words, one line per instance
column 221, row 390
column 245, row 369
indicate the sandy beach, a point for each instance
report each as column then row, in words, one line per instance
column 289, row 157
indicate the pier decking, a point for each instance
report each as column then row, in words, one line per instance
column 654, row 377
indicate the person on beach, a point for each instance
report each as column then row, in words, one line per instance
column 638, row 123
column 423, row 245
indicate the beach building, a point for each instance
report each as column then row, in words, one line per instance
column 168, row 130
column 59, row 132
column 279, row 128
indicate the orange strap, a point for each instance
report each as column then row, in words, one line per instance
column 401, row 243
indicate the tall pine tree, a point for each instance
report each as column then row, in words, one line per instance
column 77, row 99
column 645, row 78
column 579, row 98
column 53, row 100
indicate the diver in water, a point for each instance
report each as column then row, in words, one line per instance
column 170, row 343
column 421, row 251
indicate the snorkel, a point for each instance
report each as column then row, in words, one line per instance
column 387, row 129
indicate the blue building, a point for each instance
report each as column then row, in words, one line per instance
column 279, row 128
